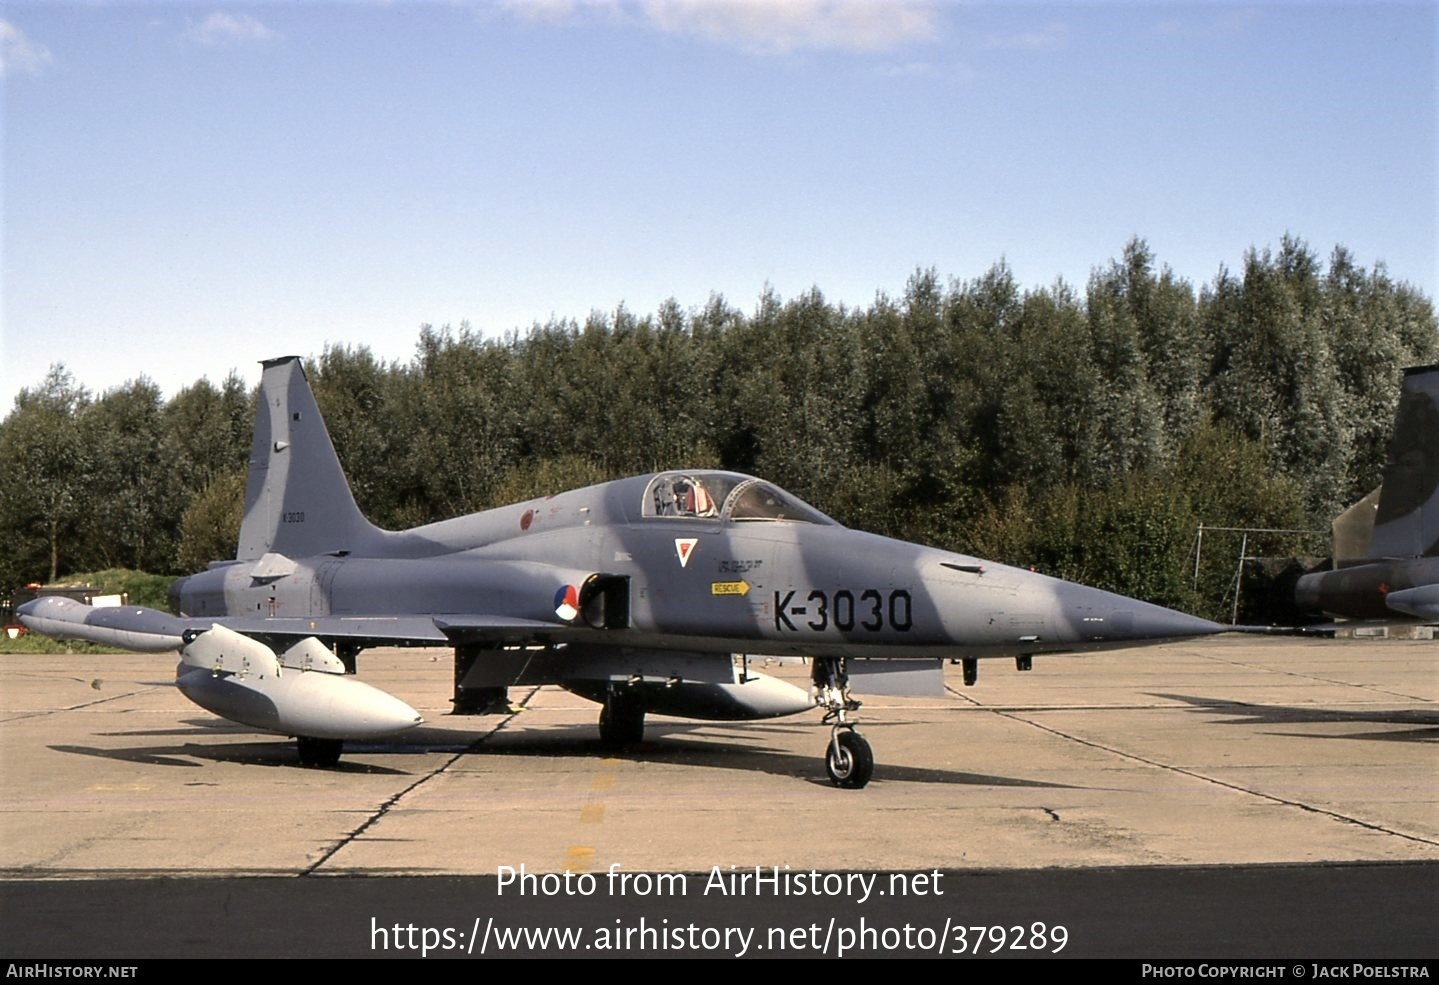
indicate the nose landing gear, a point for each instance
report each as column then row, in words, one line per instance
column 848, row 760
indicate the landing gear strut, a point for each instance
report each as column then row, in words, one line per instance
column 848, row 760
column 322, row 753
column 622, row 720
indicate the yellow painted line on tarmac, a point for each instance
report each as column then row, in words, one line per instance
column 121, row 787
column 579, row 857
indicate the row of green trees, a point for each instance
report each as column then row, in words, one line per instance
column 1087, row 434
column 105, row 482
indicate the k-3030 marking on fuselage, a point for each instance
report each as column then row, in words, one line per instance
column 844, row 609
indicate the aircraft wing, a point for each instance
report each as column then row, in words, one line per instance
column 418, row 630
column 152, row 631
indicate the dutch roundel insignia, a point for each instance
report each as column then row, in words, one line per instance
column 567, row 603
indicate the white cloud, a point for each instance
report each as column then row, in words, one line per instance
column 544, row 11
column 1210, row 24
column 18, row 54
column 222, row 28
column 909, row 70
column 782, row 26
column 1051, row 35
column 759, row 26
column 953, row 71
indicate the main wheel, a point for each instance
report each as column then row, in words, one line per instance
column 319, row 752
column 852, row 764
column 622, row 722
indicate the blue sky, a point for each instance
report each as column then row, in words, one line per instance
column 191, row 187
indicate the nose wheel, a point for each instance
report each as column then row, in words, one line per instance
column 848, row 760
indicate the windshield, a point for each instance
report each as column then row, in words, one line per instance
column 717, row 495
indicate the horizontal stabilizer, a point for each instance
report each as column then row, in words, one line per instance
column 128, row 627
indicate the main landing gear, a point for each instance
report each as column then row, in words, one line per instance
column 622, row 720
column 323, row 753
column 849, row 761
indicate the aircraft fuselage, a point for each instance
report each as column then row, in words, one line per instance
column 808, row 587
column 1375, row 590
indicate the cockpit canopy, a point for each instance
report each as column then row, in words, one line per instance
column 724, row 496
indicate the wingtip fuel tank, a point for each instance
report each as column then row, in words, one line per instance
column 242, row 679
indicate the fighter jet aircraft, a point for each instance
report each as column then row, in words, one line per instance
column 646, row 595
column 1391, row 568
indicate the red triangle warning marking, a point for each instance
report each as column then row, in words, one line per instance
column 684, row 546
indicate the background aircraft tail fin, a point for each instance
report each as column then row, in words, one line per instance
column 1407, row 523
column 1354, row 529
column 297, row 499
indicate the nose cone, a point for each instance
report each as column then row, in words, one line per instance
column 1091, row 616
column 996, row 610
column 1421, row 602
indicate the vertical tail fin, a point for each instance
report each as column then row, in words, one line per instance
column 297, row 499
column 1407, row 523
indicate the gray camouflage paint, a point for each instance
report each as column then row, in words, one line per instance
column 775, row 587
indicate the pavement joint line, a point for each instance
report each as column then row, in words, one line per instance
column 964, row 697
column 395, row 798
column 1164, row 705
column 1315, row 677
column 43, row 712
column 1222, row 783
